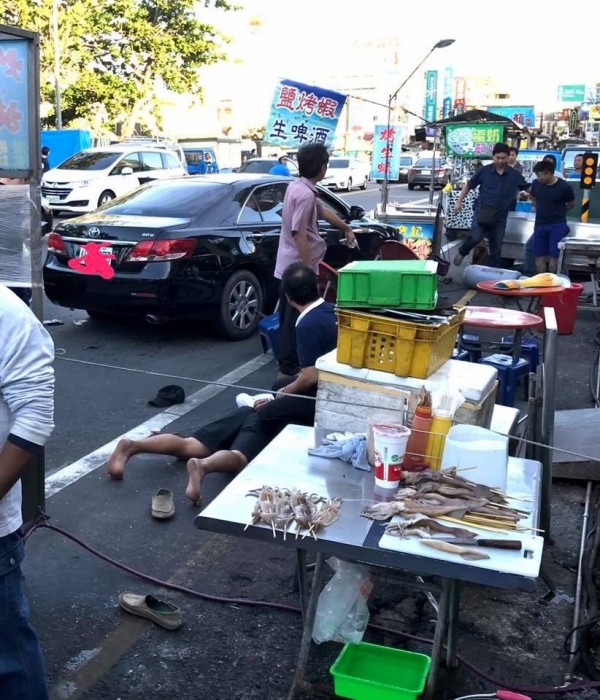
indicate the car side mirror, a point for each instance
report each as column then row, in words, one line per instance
column 127, row 170
column 356, row 212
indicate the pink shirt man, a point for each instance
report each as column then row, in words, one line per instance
column 301, row 211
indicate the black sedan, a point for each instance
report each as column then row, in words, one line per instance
column 200, row 248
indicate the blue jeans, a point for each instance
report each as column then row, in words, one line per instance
column 21, row 667
column 494, row 235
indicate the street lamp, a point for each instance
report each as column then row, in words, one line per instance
column 385, row 186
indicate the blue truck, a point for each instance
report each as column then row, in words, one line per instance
column 64, row 143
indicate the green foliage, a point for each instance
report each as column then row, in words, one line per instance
column 114, row 54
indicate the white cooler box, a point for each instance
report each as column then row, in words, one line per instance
column 350, row 398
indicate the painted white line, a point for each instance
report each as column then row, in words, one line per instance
column 75, row 471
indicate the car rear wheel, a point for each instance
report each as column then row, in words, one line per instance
column 105, row 197
column 364, row 185
column 241, row 305
column 349, row 184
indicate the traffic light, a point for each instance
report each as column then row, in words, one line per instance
column 588, row 171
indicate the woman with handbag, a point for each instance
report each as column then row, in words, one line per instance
column 498, row 185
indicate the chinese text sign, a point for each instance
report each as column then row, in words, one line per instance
column 473, row 141
column 387, row 146
column 302, row 113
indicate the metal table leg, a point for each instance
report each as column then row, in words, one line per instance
column 438, row 640
column 453, row 608
column 309, row 619
column 302, row 580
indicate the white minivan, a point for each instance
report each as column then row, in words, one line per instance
column 94, row 176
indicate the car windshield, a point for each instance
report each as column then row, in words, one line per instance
column 257, row 166
column 339, row 163
column 169, row 199
column 427, row 163
column 91, row 160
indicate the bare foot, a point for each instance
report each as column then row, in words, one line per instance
column 196, row 474
column 118, row 459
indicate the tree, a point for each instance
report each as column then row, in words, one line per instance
column 116, row 54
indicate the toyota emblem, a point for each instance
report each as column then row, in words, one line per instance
column 94, row 231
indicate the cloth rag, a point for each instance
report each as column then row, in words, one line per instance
column 353, row 449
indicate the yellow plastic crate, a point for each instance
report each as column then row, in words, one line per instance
column 400, row 347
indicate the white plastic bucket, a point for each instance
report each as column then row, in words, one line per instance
column 483, row 452
column 389, row 442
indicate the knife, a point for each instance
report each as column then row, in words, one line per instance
column 479, row 542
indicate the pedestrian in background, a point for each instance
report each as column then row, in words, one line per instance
column 513, row 154
column 26, row 422
column 300, row 241
column 498, row 185
column 575, row 174
column 45, row 160
column 552, row 198
column 281, row 167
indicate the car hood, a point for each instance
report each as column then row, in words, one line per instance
column 58, row 175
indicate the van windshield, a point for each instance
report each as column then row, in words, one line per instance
column 91, row 160
column 339, row 163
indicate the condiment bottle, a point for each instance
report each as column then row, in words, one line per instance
column 440, row 425
column 416, row 449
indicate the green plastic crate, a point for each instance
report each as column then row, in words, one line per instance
column 397, row 284
column 372, row 672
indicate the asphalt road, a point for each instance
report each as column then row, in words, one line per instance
column 106, row 372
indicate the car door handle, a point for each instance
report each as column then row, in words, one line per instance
column 256, row 236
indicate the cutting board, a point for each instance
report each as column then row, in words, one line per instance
column 501, row 560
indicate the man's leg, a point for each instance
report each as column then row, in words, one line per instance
column 21, row 666
column 529, row 266
column 288, row 358
column 246, row 445
column 475, row 236
column 214, row 436
column 555, row 234
column 168, row 444
column 541, row 241
column 495, row 237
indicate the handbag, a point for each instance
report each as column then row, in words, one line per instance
column 487, row 215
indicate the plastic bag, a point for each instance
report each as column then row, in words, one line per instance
column 342, row 611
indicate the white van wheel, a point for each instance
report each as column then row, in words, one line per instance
column 105, row 197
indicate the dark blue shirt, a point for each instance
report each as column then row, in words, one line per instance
column 550, row 201
column 316, row 334
column 497, row 190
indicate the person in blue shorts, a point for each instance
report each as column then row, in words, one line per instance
column 552, row 198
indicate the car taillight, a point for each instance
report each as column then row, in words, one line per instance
column 412, row 170
column 439, row 170
column 161, row 251
column 56, row 244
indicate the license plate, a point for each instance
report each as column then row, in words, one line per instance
column 106, row 250
column 425, row 172
column 53, row 197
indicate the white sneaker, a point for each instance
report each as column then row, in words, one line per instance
column 247, row 400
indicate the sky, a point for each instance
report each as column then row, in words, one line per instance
column 527, row 49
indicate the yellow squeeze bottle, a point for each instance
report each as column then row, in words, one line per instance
column 440, row 425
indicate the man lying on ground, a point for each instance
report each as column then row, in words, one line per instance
column 228, row 444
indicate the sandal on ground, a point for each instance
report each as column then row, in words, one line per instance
column 163, row 505
column 164, row 614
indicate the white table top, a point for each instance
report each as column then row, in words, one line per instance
column 286, row 463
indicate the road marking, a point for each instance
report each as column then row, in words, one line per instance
column 73, row 472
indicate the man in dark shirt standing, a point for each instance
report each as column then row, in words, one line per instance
column 498, row 185
column 552, row 199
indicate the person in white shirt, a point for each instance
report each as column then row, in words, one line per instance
column 26, row 422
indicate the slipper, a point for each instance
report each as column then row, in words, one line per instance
column 164, row 614
column 163, row 506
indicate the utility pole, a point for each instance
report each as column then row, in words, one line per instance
column 56, row 64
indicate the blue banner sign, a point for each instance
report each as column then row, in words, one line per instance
column 301, row 113
column 14, row 124
column 431, row 77
column 521, row 115
column 387, row 145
